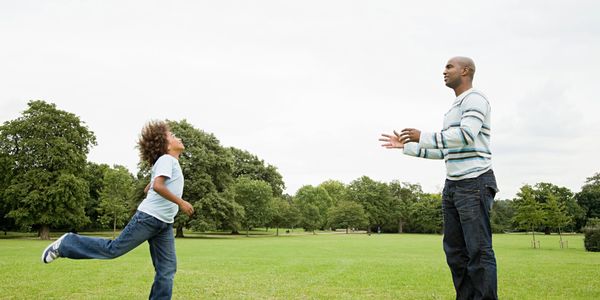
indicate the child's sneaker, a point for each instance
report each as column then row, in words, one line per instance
column 51, row 252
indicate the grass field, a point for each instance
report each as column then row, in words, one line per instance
column 302, row 266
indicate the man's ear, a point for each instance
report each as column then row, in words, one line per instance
column 464, row 71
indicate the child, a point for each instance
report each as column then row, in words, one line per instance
column 153, row 221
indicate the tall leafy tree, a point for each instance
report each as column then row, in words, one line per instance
column 94, row 175
column 254, row 196
column 6, row 173
column 313, row 203
column 529, row 214
column 404, row 197
column 426, row 214
column 207, row 167
column 292, row 215
column 219, row 211
column 336, row 190
column 347, row 214
column 249, row 165
column 589, row 197
column 556, row 215
column 375, row 198
column 118, row 186
column 501, row 215
column 49, row 149
column 543, row 190
column 280, row 210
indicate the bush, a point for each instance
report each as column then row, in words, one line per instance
column 592, row 238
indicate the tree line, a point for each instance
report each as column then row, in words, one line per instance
column 47, row 183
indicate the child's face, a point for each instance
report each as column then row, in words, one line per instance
column 174, row 142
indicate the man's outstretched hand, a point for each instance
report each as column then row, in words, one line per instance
column 410, row 135
column 391, row 141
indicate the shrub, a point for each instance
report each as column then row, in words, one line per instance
column 592, row 238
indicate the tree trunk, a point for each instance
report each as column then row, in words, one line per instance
column 179, row 231
column 247, row 231
column 277, row 230
column 560, row 237
column 44, row 232
column 400, row 226
column 533, row 232
column 347, row 229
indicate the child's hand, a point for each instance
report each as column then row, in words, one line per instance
column 186, row 208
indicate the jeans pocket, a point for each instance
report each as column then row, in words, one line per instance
column 467, row 202
column 490, row 191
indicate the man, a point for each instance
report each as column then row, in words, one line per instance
column 153, row 221
column 464, row 144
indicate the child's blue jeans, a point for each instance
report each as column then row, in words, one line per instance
column 142, row 227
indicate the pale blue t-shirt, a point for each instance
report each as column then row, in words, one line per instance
column 154, row 204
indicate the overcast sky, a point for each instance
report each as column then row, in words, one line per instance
column 309, row 86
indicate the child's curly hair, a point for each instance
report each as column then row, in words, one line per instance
column 153, row 142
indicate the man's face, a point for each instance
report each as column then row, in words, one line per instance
column 174, row 142
column 452, row 74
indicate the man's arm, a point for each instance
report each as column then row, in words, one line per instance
column 414, row 149
column 161, row 189
column 475, row 108
column 395, row 140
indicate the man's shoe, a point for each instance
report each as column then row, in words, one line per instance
column 51, row 252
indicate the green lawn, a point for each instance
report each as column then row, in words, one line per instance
column 302, row 266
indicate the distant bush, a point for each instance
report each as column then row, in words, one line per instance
column 592, row 237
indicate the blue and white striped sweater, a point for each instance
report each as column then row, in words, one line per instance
column 464, row 142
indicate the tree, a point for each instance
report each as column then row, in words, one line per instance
column 292, row 215
column 6, row 173
column 249, row 165
column 426, row 214
column 501, row 216
column 280, row 211
column 347, row 214
column 404, row 197
column 556, row 215
column 543, row 190
column 529, row 214
column 254, row 196
column 313, row 203
column 49, row 149
column 336, row 190
column 94, row 175
column 374, row 197
column 219, row 211
column 117, row 188
column 589, row 197
column 207, row 168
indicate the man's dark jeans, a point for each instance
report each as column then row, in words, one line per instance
column 468, row 236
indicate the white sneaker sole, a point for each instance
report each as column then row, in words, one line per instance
column 45, row 252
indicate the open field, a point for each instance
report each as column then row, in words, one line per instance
column 302, row 266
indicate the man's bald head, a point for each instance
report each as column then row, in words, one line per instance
column 464, row 62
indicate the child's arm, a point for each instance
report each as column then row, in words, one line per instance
column 161, row 189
